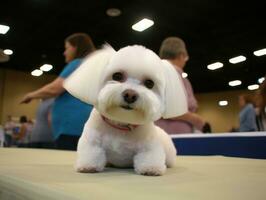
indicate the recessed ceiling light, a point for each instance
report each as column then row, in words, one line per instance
column 235, row 83
column 260, row 80
column 184, row 75
column 113, row 12
column 46, row 67
column 237, row 59
column 260, row 52
column 215, row 66
column 223, row 103
column 142, row 25
column 3, row 29
column 8, row 52
column 36, row 72
column 253, row 87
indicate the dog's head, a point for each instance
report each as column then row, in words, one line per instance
column 132, row 85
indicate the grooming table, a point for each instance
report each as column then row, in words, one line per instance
column 48, row 174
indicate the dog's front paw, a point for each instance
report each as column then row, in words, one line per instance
column 151, row 171
column 87, row 169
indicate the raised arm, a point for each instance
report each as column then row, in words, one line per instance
column 52, row 89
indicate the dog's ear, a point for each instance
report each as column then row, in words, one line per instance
column 175, row 96
column 84, row 83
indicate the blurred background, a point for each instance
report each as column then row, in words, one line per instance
column 214, row 32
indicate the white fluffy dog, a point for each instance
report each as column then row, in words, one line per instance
column 130, row 89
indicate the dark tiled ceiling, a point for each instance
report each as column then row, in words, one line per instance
column 214, row 31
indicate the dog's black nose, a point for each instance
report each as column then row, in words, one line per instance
column 130, row 96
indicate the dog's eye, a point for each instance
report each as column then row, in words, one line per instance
column 149, row 83
column 118, row 76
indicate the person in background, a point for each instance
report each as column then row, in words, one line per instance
column 261, row 106
column 207, row 128
column 260, row 114
column 174, row 50
column 23, row 134
column 8, row 130
column 2, row 136
column 68, row 113
column 247, row 115
column 41, row 136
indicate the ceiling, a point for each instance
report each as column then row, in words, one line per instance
column 213, row 31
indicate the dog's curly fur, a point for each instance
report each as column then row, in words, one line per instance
column 145, row 147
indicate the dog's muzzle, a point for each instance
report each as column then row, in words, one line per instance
column 130, row 96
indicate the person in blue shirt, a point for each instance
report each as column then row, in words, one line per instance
column 247, row 115
column 68, row 113
column 41, row 135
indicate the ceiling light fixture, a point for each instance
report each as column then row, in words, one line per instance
column 36, row 72
column 215, row 66
column 235, row 83
column 8, row 52
column 3, row 29
column 142, row 25
column 260, row 52
column 46, row 67
column 113, row 12
column 253, row 87
column 184, row 75
column 260, row 80
column 223, row 103
column 237, row 59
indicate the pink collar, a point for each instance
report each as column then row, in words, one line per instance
column 118, row 125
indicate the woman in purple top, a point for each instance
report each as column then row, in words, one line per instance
column 174, row 50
